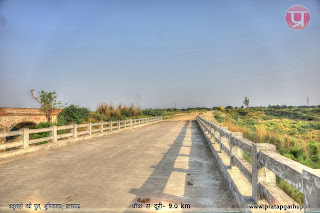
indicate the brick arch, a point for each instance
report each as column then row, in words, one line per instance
column 19, row 120
column 24, row 124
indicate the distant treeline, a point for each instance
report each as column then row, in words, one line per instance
column 270, row 107
column 109, row 112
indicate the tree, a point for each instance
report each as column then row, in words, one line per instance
column 48, row 101
column 246, row 101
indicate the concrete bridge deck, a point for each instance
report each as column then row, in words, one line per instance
column 167, row 162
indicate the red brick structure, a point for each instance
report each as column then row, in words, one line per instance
column 22, row 117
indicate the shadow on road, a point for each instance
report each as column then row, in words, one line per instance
column 186, row 177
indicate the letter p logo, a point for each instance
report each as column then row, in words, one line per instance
column 298, row 17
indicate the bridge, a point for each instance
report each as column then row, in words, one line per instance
column 22, row 117
column 186, row 163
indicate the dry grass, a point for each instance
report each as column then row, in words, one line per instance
column 109, row 110
column 262, row 135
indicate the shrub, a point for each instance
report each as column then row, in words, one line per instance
column 313, row 149
column 97, row 116
column 154, row 112
column 219, row 118
column 73, row 114
column 242, row 111
column 296, row 151
column 302, row 157
column 290, row 156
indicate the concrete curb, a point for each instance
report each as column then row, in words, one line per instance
column 241, row 200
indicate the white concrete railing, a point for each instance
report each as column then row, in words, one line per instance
column 74, row 131
column 266, row 164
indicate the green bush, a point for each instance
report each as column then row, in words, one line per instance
column 242, row 111
column 290, row 156
column 313, row 149
column 73, row 114
column 219, row 118
column 154, row 112
column 296, row 151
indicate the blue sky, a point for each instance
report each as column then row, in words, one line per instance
column 189, row 53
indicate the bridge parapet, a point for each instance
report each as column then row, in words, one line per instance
column 24, row 111
column 59, row 135
column 261, row 173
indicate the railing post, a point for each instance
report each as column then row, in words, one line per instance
column 233, row 149
column 259, row 172
column 207, row 126
column 54, row 134
column 25, row 138
column 119, row 124
column 89, row 129
column 214, row 133
column 125, row 124
column 210, row 130
column 75, row 133
column 101, row 127
column 311, row 190
column 220, row 135
column 111, row 126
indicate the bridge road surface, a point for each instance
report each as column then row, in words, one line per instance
column 168, row 162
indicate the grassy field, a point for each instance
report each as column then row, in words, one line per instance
column 294, row 131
